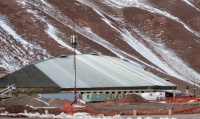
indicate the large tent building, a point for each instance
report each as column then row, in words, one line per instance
column 94, row 74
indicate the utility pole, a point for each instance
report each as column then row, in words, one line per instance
column 74, row 44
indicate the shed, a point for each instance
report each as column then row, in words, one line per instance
column 94, row 97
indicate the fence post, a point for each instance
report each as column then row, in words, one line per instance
column 25, row 111
column 134, row 112
column 170, row 111
column 46, row 112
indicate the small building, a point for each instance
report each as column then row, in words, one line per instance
column 67, row 96
column 94, row 97
column 152, row 96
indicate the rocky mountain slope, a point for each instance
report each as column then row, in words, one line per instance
column 162, row 36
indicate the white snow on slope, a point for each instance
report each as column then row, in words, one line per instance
column 52, row 32
column 128, row 37
column 137, row 4
column 4, row 63
column 167, row 65
column 12, row 32
column 7, row 61
column 46, row 3
column 138, row 46
column 25, row 49
column 135, row 44
column 85, row 31
column 42, row 101
column 189, row 3
column 172, row 64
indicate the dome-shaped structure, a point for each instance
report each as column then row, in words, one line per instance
column 92, row 72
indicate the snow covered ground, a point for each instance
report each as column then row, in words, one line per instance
column 26, row 49
column 82, row 115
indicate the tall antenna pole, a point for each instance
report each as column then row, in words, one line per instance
column 74, row 44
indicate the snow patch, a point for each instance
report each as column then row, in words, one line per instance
column 189, row 3
column 177, row 67
column 23, row 48
column 52, row 32
column 78, row 115
column 171, row 63
column 42, row 101
column 22, row 2
column 44, row 2
column 137, row 4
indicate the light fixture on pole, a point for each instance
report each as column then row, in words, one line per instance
column 74, row 44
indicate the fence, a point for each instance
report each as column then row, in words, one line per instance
column 178, row 99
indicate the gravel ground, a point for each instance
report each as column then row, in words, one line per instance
column 125, row 106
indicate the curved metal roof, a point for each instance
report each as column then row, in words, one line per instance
column 97, row 71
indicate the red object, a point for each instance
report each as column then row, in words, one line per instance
column 178, row 99
column 67, row 108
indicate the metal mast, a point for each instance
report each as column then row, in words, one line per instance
column 74, row 44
